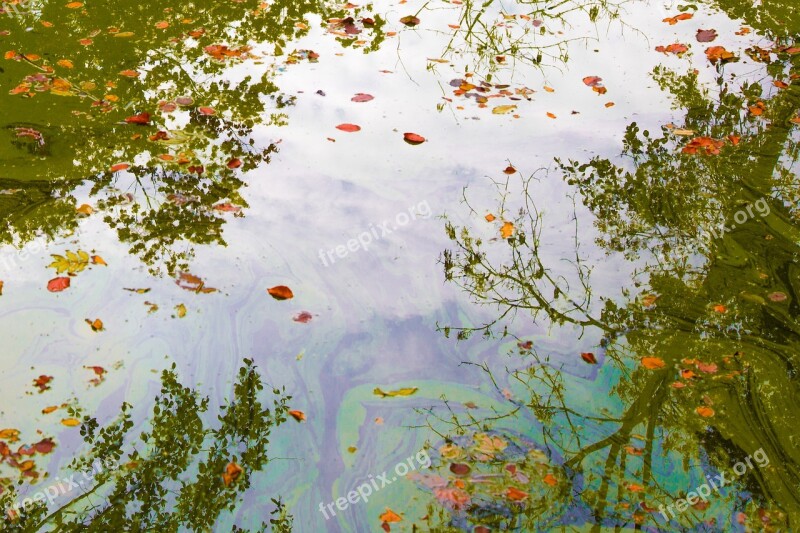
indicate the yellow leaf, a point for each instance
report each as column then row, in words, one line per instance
column 72, row 263
column 507, row 230
column 503, row 109
column 85, row 209
column 181, row 310
column 48, row 410
column 71, row 422
column 124, row 34
column 399, row 392
column 11, row 435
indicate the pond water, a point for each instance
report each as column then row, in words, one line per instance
column 399, row 266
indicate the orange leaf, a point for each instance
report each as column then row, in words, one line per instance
column 281, row 292
column 509, row 170
column 720, row 308
column 705, row 412
column 389, row 516
column 58, row 284
column 507, row 230
column 71, row 422
column 550, row 479
column 96, row 324
column 653, row 363
column 231, row 474
column 349, row 128
column 127, row 73
column 490, row 217
column 300, row 416
column 516, row 495
column 120, row 166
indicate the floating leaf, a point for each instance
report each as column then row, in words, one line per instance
column 190, row 282
column 70, row 262
column 408, row 391
column 11, row 435
column 516, row 495
column 85, row 210
column 509, row 170
column 234, row 163
column 490, row 218
column 208, row 111
column 409, row 20
column 413, row 139
column 503, row 109
column 141, row 119
column 71, row 422
column 777, row 296
column 303, row 317
column 653, row 363
column 705, row 412
column 281, row 292
column 390, row 516
column 349, row 128
column 706, row 36
column 48, row 410
column 719, row 54
column 362, row 97
column 460, row 469
column 96, row 324
column 507, row 230
column 231, row 474
column 300, row 416
column 180, row 310
column 550, row 479
column 43, row 382
column 589, row 358
column 120, row 166
column 677, row 18
column 58, row 284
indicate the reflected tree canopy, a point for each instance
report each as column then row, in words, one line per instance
column 181, row 473
column 700, row 353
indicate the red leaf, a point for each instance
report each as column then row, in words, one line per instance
column 303, row 317
column 589, row 358
column 227, row 207
column 58, row 284
column 592, row 81
column 234, row 163
column 141, row 119
column 44, row 446
column 413, row 138
column 350, row 128
column 207, row 110
column 706, row 36
column 120, row 166
column 362, row 97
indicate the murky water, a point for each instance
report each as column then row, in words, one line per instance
column 401, row 266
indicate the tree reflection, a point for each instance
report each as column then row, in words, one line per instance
column 181, row 473
column 138, row 102
column 700, row 351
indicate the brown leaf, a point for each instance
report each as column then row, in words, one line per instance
column 281, row 292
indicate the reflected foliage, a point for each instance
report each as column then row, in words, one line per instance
column 175, row 475
column 700, row 351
